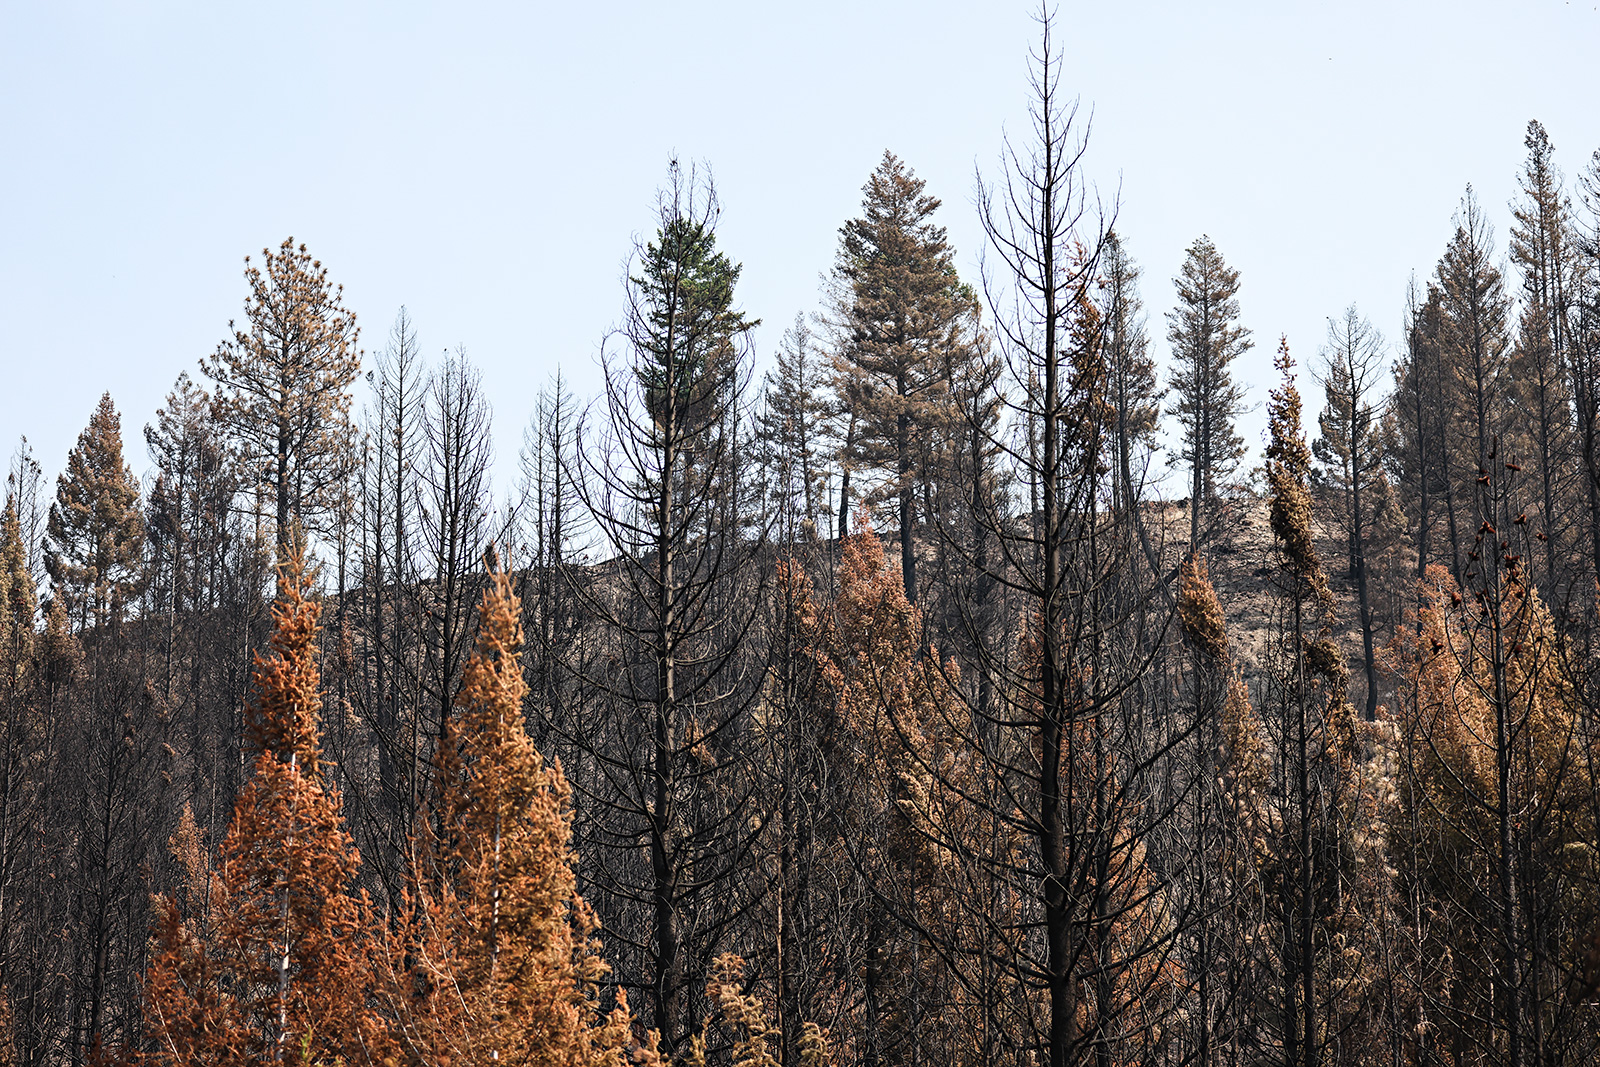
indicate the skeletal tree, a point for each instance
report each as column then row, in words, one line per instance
column 1067, row 939
column 1544, row 248
column 1133, row 390
column 386, row 620
column 1351, row 450
column 454, row 526
column 790, row 430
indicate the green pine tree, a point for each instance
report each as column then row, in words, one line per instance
column 690, row 346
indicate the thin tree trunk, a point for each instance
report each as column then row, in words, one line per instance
column 908, row 550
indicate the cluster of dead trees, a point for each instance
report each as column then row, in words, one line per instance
column 878, row 712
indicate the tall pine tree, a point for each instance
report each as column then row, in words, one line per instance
column 1206, row 338
column 95, row 530
column 283, row 386
column 903, row 321
column 1351, row 451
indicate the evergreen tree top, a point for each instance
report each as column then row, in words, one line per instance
column 683, row 295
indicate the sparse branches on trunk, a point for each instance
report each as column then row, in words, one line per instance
column 1543, row 247
column 668, row 679
column 283, row 387
column 1068, row 951
column 1134, row 393
column 1350, row 449
column 386, row 620
column 791, row 430
column 454, row 526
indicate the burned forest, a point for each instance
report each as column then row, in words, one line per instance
column 949, row 681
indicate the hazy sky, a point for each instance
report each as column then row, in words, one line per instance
column 488, row 166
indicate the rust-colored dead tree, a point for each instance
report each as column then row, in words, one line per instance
column 280, row 975
column 496, row 960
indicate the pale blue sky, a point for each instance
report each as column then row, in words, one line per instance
column 488, row 165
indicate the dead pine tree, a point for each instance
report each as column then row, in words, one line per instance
column 1052, row 809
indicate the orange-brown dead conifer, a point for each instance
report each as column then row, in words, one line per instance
column 1474, row 674
column 268, row 967
column 891, row 744
column 497, row 960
